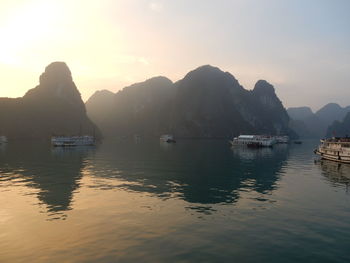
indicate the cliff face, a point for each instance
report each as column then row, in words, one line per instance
column 271, row 114
column 206, row 103
column 340, row 128
column 332, row 112
column 53, row 107
column 142, row 108
column 299, row 113
column 309, row 124
column 212, row 103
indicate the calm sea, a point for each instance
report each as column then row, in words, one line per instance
column 193, row 201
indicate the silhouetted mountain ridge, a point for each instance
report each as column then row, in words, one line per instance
column 207, row 102
column 300, row 113
column 53, row 107
column 309, row 124
column 340, row 128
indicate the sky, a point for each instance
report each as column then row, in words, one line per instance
column 302, row 47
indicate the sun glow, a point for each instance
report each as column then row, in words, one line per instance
column 87, row 35
column 109, row 44
column 27, row 27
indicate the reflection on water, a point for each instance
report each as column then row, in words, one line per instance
column 337, row 173
column 2, row 147
column 199, row 172
column 199, row 200
column 54, row 173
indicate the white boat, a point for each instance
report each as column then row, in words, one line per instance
column 167, row 138
column 67, row 141
column 137, row 137
column 254, row 141
column 3, row 139
column 282, row 139
column 335, row 149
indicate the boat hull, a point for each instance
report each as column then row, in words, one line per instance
column 73, row 141
column 167, row 138
column 254, row 142
column 333, row 157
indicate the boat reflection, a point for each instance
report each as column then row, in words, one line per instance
column 2, row 147
column 337, row 173
column 54, row 173
column 246, row 153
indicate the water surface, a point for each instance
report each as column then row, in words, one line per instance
column 194, row 201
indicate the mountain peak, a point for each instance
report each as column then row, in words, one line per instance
column 52, row 107
column 300, row 113
column 330, row 106
column 331, row 112
column 159, row 80
column 101, row 95
column 207, row 78
column 208, row 70
column 262, row 86
column 56, row 82
column 55, row 73
column 155, row 84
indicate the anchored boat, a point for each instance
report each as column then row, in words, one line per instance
column 3, row 139
column 254, row 141
column 167, row 138
column 68, row 141
column 334, row 149
column 282, row 139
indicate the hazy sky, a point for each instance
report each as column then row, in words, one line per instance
column 301, row 46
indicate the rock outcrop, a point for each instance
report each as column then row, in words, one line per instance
column 340, row 128
column 53, row 107
column 206, row 103
column 300, row 113
column 309, row 124
column 332, row 112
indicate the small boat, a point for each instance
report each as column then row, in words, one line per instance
column 3, row 139
column 69, row 141
column 282, row 139
column 167, row 138
column 334, row 149
column 137, row 138
column 254, row 141
column 298, row 142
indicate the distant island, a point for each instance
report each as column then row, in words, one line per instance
column 340, row 128
column 318, row 125
column 53, row 107
column 206, row 103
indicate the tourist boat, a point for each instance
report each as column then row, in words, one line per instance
column 167, row 138
column 3, row 139
column 282, row 139
column 254, row 141
column 335, row 149
column 68, row 141
column 137, row 138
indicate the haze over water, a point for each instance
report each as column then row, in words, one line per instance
column 194, row 201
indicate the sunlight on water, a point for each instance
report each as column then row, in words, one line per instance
column 193, row 201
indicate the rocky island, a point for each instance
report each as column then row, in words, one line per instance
column 53, row 107
column 206, row 103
